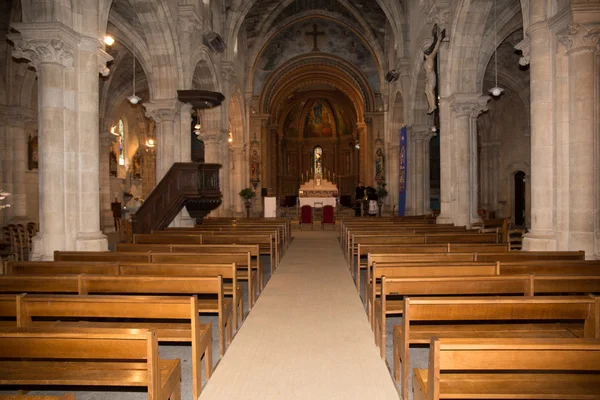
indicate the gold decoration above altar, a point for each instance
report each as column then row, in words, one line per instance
column 318, row 187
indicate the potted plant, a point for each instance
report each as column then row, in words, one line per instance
column 382, row 193
column 247, row 194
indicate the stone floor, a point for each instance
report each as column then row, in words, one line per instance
column 307, row 337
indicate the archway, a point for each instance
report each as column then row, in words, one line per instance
column 519, row 199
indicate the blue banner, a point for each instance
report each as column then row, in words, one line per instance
column 402, row 172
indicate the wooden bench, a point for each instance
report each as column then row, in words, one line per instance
column 243, row 260
column 88, row 357
column 440, row 286
column 62, row 267
column 550, row 267
column 66, row 396
column 425, row 270
column 8, row 310
column 128, row 285
column 498, row 368
column 162, row 285
column 173, row 318
column 472, row 317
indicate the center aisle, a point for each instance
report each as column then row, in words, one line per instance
column 307, row 337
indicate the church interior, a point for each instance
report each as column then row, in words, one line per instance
column 199, row 123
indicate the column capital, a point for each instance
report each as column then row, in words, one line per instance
column 189, row 22
column 106, row 139
column 163, row 110
column 468, row 104
column 42, row 43
column 228, row 70
column 438, row 15
column 525, row 47
column 18, row 114
column 103, row 58
column 580, row 37
column 420, row 132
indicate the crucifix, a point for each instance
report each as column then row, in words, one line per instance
column 315, row 33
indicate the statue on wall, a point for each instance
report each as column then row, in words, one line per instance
column 429, row 67
column 112, row 163
column 33, row 153
column 379, row 165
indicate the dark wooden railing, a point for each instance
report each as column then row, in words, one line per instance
column 191, row 185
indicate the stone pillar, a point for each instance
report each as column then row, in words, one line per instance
column 582, row 42
column 239, row 163
column 466, row 107
column 185, row 154
column 225, row 174
column 7, row 166
column 421, row 166
column 19, row 139
column 418, row 134
column 164, row 113
column 90, row 61
column 106, row 141
column 211, row 136
column 52, row 58
column 542, row 235
column 362, row 154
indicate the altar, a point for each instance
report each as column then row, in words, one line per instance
column 319, row 191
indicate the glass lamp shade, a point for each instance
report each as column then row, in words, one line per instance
column 496, row 91
column 133, row 99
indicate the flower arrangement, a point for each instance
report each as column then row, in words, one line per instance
column 247, row 193
column 381, row 191
column 4, row 195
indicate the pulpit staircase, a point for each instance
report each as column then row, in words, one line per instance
column 194, row 186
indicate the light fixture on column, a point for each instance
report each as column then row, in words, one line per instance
column 496, row 90
column 357, row 145
column 230, row 138
column 198, row 126
column 150, row 143
column 133, row 99
column 109, row 40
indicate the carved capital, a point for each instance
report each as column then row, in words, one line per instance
column 103, row 58
column 580, row 37
column 439, row 16
column 229, row 71
column 106, row 140
column 163, row 110
column 40, row 51
column 468, row 105
column 524, row 46
column 211, row 137
column 189, row 23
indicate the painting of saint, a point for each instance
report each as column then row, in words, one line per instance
column 318, row 122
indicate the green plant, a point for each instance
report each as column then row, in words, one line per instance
column 247, row 193
column 381, row 191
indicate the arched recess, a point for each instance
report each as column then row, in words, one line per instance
column 323, row 69
column 205, row 76
column 508, row 179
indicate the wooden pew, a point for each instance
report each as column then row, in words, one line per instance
column 66, row 396
column 177, row 320
column 147, row 238
column 228, row 272
column 88, row 357
column 162, row 285
column 242, row 260
column 8, row 310
column 62, row 267
column 420, row 270
column 473, row 317
column 253, row 249
column 499, row 368
column 440, row 286
column 124, row 285
column 550, row 267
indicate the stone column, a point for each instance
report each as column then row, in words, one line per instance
column 90, row 62
column 19, row 139
column 211, row 136
column 466, row 107
column 582, row 42
column 7, row 164
column 164, row 113
column 541, row 236
column 185, row 153
column 225, row 174
column 362, row 154
column 422, row 166
column 239, row 163
column 51, row 54
column 418, row 133
column 106, row 141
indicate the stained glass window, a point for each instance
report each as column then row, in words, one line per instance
column 121, row 143
column 318, row 161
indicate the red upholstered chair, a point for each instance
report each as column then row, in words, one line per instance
column 306, row 216
column 328, row 217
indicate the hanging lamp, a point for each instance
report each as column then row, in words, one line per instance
column 496, row 90
column 134, row 99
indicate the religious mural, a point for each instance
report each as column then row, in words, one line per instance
column 318, row 122
column 315, row 34
column 343, row 122
column 290, row 125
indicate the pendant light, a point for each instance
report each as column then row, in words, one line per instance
column 496, row 90
column 133, row 99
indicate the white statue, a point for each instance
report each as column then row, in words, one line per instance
column 429, row 66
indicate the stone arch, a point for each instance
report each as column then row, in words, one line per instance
column 469, row 23
column 397, row 120
column 48, row 11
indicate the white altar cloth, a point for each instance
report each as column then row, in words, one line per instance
column 327, row 201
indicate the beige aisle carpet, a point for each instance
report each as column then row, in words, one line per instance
column 307, row 337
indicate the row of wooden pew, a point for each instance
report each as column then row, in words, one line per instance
column 485, row 312
column 106, row 312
